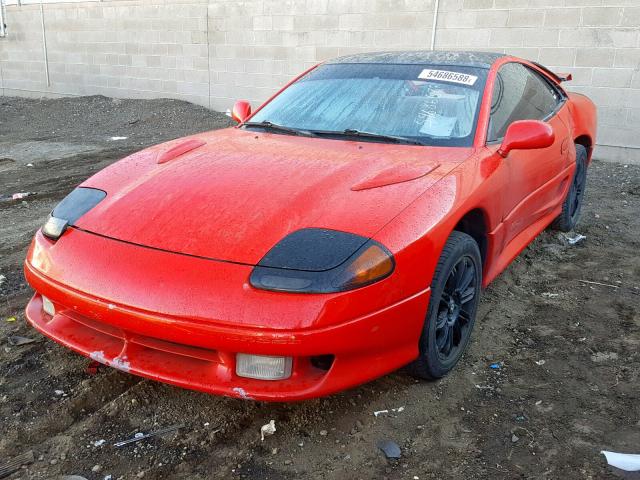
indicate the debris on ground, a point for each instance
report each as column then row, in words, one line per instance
column 2, row 279
column 540, row 362
column 572, row 238
column 16, row 463
column 599, row 283
column 268, row 429
column 484, row 387
column 15, row 196
column 11, row 319
column 604, row 356
column 550, row 295
column 99, row 443
column 394, row 410
column 495, row 366
column 118, row 138
column 389, row 448
column 17, row 340
column 141, row 436
column 624, row 461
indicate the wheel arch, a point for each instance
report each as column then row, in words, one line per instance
column 587, row 143
column 476, row 224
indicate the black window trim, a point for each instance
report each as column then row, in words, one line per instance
column 554, row 112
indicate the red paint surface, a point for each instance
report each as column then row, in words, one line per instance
column 154, row 280
column 179, row 149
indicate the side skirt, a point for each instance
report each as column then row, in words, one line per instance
column 519, row 243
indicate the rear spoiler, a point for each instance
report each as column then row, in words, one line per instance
column 559, row 77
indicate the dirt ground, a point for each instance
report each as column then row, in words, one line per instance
column 567, row 386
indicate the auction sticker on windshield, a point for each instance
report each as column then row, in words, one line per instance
column 446, row 76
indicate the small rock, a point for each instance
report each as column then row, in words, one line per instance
column 323, row 433
column 140, row 474
column 288, row 462
column 96, row 468
column 53, row 461
column 604, row 356
column 514, row 438
column 390, row 448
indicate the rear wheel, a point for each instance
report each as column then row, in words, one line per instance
column 572, row 205
column 455, row 294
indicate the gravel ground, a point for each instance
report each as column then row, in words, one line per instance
column 567, row 386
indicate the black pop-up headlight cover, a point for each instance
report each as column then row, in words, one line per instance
column 70, row 209
column 316, row 260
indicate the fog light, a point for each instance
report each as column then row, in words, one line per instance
column 263, row 367
column 47, row 306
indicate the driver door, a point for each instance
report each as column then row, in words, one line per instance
column 534, row 186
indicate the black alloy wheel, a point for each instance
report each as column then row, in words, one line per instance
column 455, row 295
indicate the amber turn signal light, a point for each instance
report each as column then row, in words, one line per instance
column 373, row 264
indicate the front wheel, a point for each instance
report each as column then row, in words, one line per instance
column 455, row 294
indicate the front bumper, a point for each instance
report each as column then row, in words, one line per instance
column 199, row 353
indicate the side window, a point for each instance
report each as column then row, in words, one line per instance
column 519, row 93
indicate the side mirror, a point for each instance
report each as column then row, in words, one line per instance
column 241, row 111
column 527, row 135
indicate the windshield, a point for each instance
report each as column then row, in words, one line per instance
column 435, row 105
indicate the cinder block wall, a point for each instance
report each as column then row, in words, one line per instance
column 119, row 48
column 212, row 52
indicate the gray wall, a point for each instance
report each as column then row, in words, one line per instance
column 214, row 52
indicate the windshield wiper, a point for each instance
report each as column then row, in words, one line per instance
column 274, row 127
column 350, row 132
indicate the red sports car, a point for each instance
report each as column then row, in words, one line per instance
column 343, row 230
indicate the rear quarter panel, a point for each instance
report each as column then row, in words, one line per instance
column 585, row 117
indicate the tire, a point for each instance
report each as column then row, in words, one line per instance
column 451, row 315
column 572, row 205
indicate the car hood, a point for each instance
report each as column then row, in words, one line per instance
column 233, row 194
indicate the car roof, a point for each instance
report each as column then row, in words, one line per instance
column 424, row 57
